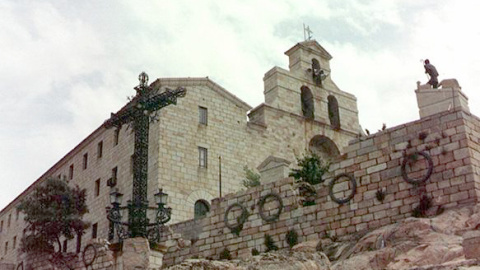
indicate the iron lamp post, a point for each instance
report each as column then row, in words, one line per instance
column 153, row 233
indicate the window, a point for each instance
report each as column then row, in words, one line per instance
column 100, row 149
column 113, row 180
column 203, row 115
column 70, row 172
column 307, row 100
column 79, row 242
column 85, row 161
column 94, row 230
column 65, row 245
column 116, row 136
column 97, row 187
column 201, row 209
column 333, row 112
column 114, row 174
column 14, row 242
column 1, row 226
column 9, row 220
column 202, row 157
column 6, row 248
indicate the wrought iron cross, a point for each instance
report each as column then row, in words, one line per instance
column 138, row 112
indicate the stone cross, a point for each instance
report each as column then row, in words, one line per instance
column 138, row 112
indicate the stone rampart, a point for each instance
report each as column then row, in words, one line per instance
column 450, row 140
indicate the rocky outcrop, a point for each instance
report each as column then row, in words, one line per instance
column 287, row 260
column 416, row 243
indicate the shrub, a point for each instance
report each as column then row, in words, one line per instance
column 312, row 168
column 270, row 244
column 225, row 255
column 291, row 238
column 252, row 178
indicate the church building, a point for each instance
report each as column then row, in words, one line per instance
column 198, row 148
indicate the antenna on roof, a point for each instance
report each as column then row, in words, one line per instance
column 307, row 33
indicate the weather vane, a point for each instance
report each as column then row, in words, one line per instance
column 307, row 33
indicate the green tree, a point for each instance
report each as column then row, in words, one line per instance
column 53, row 210
column 252, row 178
column 311, row 170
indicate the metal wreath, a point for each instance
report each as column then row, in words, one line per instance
column 89, row 246
column 354, row 188
column 261, row 204
column 429, row 169
column 240, row 220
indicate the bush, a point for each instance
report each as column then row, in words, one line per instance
column 291, row 238
column 312, row 168
column 225, row 255
column 252, row 178
column 270, row 244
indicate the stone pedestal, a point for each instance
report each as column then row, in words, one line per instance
column 136, row 254
column 448, row 97
column 273, row 169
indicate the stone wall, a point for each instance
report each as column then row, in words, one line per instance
column 451, row 139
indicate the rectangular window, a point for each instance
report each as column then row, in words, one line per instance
column 202, row 115
column 9, row 220
column 14, row 242
column 6, row 248
column 97, row 187
column 85, row 161
column 79, row 242
column 100, row 149
column 65, row 245
column 114, row 174
column 116, row 136
column 70, row 172
column 1, row 226
column 202, row 157
column 94, row 230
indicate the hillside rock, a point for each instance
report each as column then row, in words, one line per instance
column 287, row 260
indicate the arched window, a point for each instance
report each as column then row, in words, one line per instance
column 201, row 209
column 323, row 147
column 333, row 112
column 307, row 102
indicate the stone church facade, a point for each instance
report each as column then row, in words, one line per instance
column 205, row 140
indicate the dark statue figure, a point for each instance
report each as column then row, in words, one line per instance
column 432, row 71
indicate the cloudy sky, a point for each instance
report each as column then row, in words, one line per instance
column 65, row 65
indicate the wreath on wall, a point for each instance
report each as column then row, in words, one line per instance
column 261, row 205
column 410, row 160
column 353, row 182
column 236, row 227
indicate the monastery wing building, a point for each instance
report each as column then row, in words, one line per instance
column 209, row 134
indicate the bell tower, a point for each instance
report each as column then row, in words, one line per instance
column 307, row 89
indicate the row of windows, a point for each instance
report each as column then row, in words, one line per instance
column 9, row 220
column 200, row 207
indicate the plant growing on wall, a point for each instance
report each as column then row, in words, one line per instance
column 53, row 211
column 252, row 178
column 311, row 170
column 291, row 238
column 269, row 243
